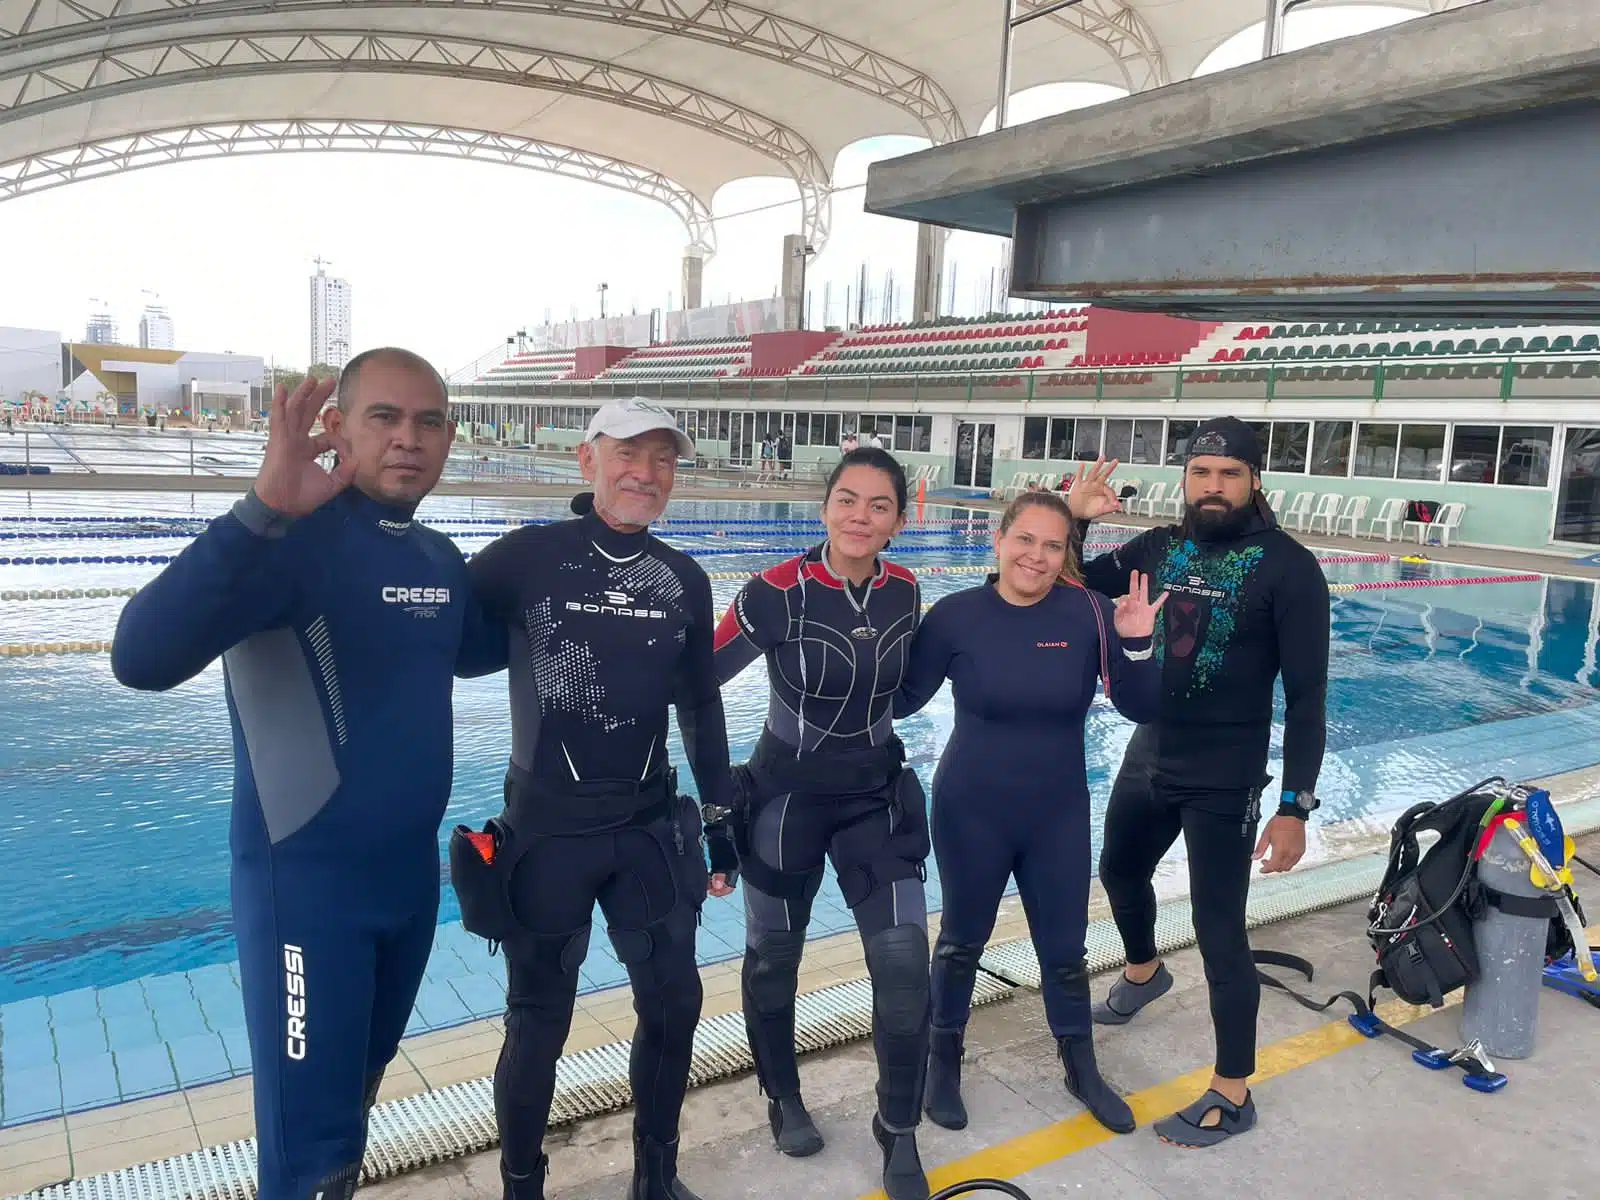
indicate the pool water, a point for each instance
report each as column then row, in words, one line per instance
column 114, row 821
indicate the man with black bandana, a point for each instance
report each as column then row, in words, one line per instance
column 608, row 628
column 1246, row 604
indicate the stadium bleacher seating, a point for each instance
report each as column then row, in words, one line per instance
column 1057, row 342
column 704, row 359
column 545, row 367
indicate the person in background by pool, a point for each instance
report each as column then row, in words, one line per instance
column 828, row 779
column 1248, row 603
column 341, row 623
column 610, row 629
column 1023, row 652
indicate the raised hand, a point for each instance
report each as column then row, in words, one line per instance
column 291, row 481
column 1135, row 616
column 1092, row 495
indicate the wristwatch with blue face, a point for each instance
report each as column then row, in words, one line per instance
column 1298, row 804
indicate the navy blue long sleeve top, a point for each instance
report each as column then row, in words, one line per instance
column 1023, row 677
column 340, row 636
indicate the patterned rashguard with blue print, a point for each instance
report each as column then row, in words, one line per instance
column 1239, row 612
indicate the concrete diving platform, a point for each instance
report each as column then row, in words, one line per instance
column 1445, row 168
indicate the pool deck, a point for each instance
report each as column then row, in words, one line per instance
column 724, row 1121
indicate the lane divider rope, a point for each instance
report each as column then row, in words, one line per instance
column 19, row 649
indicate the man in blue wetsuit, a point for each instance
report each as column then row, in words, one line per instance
column 609, row 628
column 341, row 624
column 1247, row 604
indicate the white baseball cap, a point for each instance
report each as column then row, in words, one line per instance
column 630, row 416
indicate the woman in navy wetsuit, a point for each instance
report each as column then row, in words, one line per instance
column 1023, row 652
column 827, row 780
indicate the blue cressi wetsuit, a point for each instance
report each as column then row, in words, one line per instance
column 340, row 635
column 1011, row 792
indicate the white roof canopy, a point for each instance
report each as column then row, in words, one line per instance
column 669, row 98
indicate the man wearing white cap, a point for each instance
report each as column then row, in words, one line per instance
column 608, row 628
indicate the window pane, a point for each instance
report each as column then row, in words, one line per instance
column 1578, row 507
column 1263, row 432
column 1375, row 450
column 1086, row 441
column 802, row 429
column 1474, row 452
column 1119, row 440
column 833, row 438
column 903, row 433
column 1289, row 441
column 1060, row 437
column 1525, row 455
column 1035, row 430
column 1330, row 448
column 1178, row 435
column 1422, row 452
column 1147, row 442
column 924, row 435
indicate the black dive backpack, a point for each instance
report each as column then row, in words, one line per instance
column 1420, row 922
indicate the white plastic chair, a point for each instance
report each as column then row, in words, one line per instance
column 1353, row 513
column 1299, row 509
column 1326, row 512
column 1146, row 504
column 1275, row 499
column 1391, row 512
column 1172, row 506
column 1447, row 522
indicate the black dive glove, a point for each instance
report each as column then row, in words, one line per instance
column 724, row 855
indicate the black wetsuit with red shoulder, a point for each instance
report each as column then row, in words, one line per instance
column 827, row 781
column 835, row 650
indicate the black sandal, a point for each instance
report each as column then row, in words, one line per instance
column 1183, row 1128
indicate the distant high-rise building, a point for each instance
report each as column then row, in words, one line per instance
column 102, row 327
column 330, row 319
column 155, row 328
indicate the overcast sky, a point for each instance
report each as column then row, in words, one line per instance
column 448, row 256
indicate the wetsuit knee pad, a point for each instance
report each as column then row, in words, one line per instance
column 903, row 853
column 545, row 964
column 960, row 957
column 660, row 956
column 897, row 960
column 773, row 969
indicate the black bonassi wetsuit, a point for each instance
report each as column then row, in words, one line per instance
column 607, row 630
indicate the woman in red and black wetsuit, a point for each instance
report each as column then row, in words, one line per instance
column 827, row 779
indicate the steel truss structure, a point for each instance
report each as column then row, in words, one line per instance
column 78, row 77
column 736, row 26
column 40, row 172
column 1117, row 30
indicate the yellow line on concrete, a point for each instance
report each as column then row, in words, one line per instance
column 1028, row 1152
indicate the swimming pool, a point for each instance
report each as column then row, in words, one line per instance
column 115, row 944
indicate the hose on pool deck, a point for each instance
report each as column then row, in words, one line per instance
column 981, row 1185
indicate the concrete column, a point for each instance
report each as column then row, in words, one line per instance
column 694, row 269
column 930, row 272
column 793, row 279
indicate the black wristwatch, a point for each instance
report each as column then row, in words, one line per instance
column 1298, row 804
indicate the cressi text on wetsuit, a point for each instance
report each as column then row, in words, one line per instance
column 828, row 781
column 608, row 630
column 1011, row 794
column 340, row 634
column 1243, row 608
